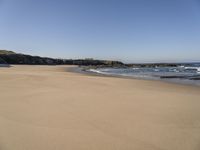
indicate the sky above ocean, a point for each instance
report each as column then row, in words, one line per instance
column 126, row 30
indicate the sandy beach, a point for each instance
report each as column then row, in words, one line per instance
column 47, row 108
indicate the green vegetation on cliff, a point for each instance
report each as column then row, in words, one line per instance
column 6, row 52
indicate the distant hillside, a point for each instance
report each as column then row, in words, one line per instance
column 11, row 57
column 6, row 52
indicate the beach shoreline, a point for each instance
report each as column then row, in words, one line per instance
column 80, row 70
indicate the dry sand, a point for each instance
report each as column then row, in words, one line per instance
column 46, row 108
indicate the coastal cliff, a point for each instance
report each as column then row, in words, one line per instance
column 10, row 57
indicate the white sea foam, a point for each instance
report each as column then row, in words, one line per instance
column 193, row 68
column 98, row 71
column 135, row 68
column 198, row 69
column 175, row 70
column 94, row 70
column 156, row 70
column 181, row 66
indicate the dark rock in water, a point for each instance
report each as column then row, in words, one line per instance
column 195, row 77
column 172, row 77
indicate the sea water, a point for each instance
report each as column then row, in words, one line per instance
column 186, row 74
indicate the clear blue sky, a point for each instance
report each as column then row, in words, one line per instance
column 127, row 30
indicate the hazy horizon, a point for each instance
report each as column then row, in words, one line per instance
column 131, row 31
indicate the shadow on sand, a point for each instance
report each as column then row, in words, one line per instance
column 5, row 65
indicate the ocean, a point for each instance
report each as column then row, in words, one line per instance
column 184, row 74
